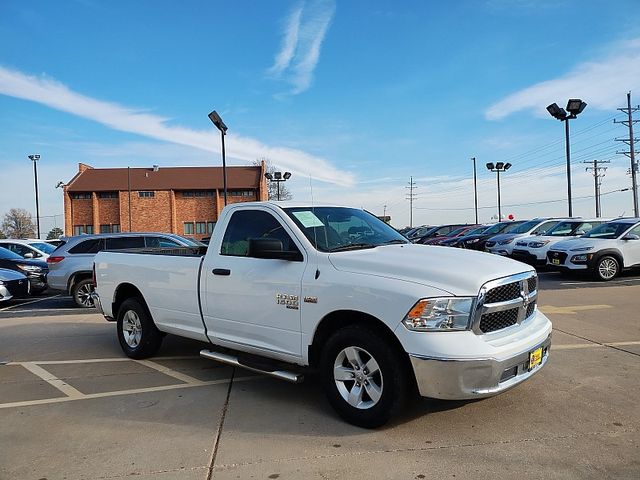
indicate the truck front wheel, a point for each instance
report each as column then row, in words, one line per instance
column 138, row 336
column 365, row 380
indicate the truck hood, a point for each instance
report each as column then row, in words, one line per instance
column 455, row 271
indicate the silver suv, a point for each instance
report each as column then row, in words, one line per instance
column 71, row 264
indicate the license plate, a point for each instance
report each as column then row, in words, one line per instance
column 555, row 261
column 535, row 358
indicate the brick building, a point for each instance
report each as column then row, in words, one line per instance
column 182, row 200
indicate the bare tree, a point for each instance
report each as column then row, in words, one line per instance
column 18, row 224
column 272, row 187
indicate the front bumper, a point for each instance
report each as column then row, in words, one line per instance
column 528, row 258
column 477, row 378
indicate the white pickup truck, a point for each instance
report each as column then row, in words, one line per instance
column 289, row 289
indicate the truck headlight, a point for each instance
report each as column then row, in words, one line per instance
column 440, row 314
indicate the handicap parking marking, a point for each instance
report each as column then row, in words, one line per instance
column 72, row 394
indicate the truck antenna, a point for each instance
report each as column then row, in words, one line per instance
column 315, row 233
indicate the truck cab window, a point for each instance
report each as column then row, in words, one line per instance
column 247, row 224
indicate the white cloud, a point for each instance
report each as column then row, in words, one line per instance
column 601, row 83
column 303, row 35
column 54, row 94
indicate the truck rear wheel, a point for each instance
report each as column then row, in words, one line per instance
column 365, row 380
column 138, row 335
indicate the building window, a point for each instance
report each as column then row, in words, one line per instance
column 112, row 228
column 188, row 228
column 146, row 194
column 107, row 194
column 81, row 196
column 210, row 226
column 241, row 193
column 80, row 229
column 198, row 193
column 201, row 228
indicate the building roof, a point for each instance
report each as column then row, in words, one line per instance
column 165, row 178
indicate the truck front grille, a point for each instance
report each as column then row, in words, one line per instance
column 491, row 322
column 506, row 302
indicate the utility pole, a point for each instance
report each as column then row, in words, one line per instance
column 411, row 197
column 597, row 177
column 631, row 153
column 475, row 187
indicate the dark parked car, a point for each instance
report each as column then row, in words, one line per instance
column 459, row 232
column 12, row 285
column 438, row 231
column 35, row 270
column 477, row 241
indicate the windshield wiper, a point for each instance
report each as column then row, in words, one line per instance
column 394, row 241
column 352, row 246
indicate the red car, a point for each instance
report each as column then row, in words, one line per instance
column 459, row 232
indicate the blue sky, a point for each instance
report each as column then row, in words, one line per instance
column 357, row 95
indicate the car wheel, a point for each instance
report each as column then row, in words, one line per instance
column 138, row 335
column 365, row 381
column 82, row 293
column 607, row 268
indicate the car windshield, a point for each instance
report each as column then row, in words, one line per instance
column 511, row 227
column 526, row 226
column 334, row 229
column 608, row 230
column 457, row 231
column 564, row 229
column 6, row 254
column 423, row 231
column 43, row 247
column 477, row 231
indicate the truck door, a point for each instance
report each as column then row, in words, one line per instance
column 253, row 301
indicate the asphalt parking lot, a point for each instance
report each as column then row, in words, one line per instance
column 73, row 407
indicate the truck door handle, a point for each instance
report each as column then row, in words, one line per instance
column 221, row 271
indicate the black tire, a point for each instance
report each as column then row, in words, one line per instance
column 607, row 268
column 138, row 336
column 81, row 293
column 392, row 381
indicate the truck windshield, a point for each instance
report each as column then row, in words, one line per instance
column 335, row 229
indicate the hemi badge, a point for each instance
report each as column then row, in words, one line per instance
column 310, row 299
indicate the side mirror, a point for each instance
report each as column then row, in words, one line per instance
column 270, row 248
column 631, row 236
column 580, row 232
column 28, row 255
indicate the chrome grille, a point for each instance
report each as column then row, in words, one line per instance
column 503, row 293
column 490, row 322
column 505, row 302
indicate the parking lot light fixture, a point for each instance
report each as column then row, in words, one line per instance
column 34, row 158
column 278, row 177
column 499, row 167
column 220, row 125
column 575, row 106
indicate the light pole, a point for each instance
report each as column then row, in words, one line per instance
column 475, row 188
column 278, row 177
column 498, row 167
column 217, row 121
column 574, row 107
column 34, row 158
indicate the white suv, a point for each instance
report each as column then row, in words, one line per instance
column 605, row 251
column 533, row 250
column 503, row 243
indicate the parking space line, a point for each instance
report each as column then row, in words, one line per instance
column 99, row 360
column 578, row 346
column 47, row 401
column 169, row 372
column 29, row 302
column 52, row 380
